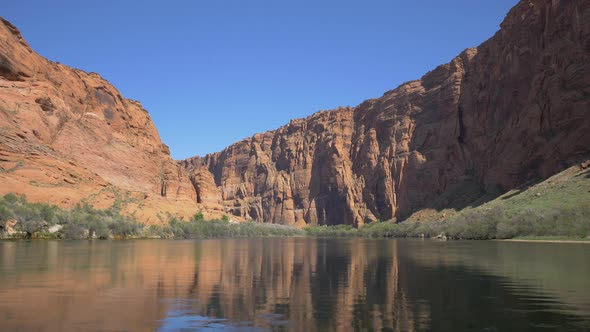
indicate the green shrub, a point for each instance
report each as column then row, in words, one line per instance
column 331, row 231
column 5, row 215
column 124, row 228
column 201, row 229
column 73, row 231
column 198, row 216
column 12, row 198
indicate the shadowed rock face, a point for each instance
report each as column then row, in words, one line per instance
column 67, row 135
column 509, row 111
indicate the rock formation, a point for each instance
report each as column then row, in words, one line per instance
column 512, row 110
column 68, row 135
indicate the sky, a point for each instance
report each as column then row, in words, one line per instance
column 212, row 72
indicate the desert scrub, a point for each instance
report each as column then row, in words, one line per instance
column 564, row 214
column 40, row 220
column 492, row 223
column 331, row 231
column 201, row 229
column 388, row 229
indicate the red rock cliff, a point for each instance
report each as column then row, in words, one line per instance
column 67, row 135
column 514, row 109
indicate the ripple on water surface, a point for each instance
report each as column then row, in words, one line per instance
column 294, row 284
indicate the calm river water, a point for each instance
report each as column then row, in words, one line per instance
column 294, row 284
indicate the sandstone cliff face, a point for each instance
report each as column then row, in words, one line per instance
column 67, row 135
column 298, row 173
column 509, row 111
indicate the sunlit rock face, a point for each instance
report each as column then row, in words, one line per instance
column 298, row 173
column 68, row 135
column 497, row 116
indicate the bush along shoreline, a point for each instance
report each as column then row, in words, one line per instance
column 494, row 223
column 20, row 219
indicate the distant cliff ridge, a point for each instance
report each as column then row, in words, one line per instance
column 514, row 109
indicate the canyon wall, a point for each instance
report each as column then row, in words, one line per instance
column 67, row 135
column 513, row 110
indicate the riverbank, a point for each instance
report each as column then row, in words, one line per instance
column 548, row 239
column 555, row 215
column 20, row 219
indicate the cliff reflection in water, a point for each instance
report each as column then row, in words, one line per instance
column 295, row 284
column 291, row 284
column 301, row 284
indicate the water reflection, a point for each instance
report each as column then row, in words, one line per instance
column 290, row 285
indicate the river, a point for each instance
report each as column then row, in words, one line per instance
column 294, row 284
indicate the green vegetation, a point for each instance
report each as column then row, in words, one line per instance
column 558, row 206
column 493, row 223
column 18, row 165
column 199, row 229
column 39, row 220
column 122, row 199
column 198, row 216
column 44, row 221
column 331, row 231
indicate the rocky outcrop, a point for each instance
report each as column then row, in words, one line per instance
column 207, row 193
column 512, row 110
column 68, row 135
column 298, row 173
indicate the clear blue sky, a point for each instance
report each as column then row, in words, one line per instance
column 216, row 71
